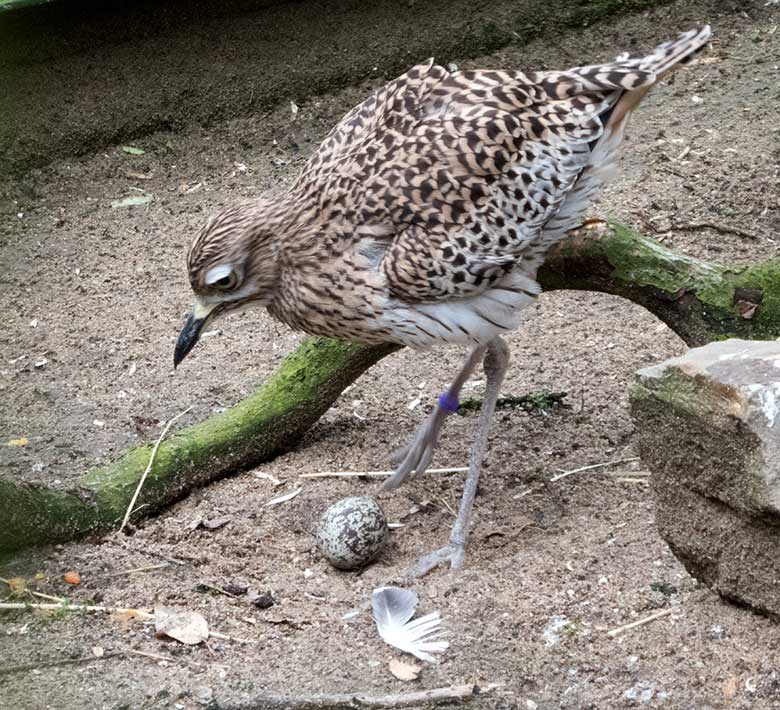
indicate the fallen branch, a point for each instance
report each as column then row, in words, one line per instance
column 66, row 605
column 266, row 423
column 422, row 698
column 699, row 300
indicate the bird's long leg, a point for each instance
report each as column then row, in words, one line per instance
column 496, row 362
column 416, row 456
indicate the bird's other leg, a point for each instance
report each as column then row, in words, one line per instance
column 416, row 456
column 496, row 362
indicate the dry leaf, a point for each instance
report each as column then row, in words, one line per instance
column 729, row 687
column 17, row 585
column 138, row 176
column 125, row 616
column 132, row 201
column 22, row 441
column 185, row 626
column 72, row 577
column 404, row 671
column 268, row 477
column 215, row 523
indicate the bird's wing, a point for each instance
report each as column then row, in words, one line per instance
column 463, row 170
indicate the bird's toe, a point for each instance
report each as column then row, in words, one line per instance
column 451, row 553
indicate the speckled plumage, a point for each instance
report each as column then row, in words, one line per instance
column 427, row 210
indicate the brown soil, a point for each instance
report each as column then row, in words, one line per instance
column 99, row 292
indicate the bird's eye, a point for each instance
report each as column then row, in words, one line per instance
column 226, row 283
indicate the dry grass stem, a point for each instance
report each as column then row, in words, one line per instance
column 593, row 466
column 131, row 507
column 40, row 595
column 225, row 637
column 325, row 701
column 135, row 570
column 640, row 622
column 146, row 654
column 78, row 607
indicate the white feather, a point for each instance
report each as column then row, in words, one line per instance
column 393, row 609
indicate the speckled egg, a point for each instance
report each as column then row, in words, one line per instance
column 352, row 532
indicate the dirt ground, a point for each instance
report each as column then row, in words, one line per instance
column 93, row 297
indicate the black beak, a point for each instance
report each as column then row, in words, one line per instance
column 188, row 338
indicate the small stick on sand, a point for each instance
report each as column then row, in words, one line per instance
column 24, row 667
column 146, row 654
column 139, row 613
column 641, row 622
column 78, row 607
column 135, row 570
column 359, row 474
column 225, row 637
column 721, row 228
column 419, row 698
column 564, row 474
column 40, row 595
column 131, row 507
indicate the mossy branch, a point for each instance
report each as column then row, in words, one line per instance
column 699, row 300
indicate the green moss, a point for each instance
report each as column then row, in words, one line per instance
column 689, row 395
column 258, row 427
column 36, row 515
column 639, row 261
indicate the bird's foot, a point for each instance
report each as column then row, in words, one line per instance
column 452, row 552
column 416, row 456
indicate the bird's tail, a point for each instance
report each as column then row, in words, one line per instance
column 665, row 59
column 628, row 79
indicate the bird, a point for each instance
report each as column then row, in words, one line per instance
column 422, row 219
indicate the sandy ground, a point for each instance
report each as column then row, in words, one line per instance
column 93, row 296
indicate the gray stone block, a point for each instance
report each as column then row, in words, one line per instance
column 708, row 427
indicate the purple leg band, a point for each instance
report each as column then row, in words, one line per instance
column 448, row 402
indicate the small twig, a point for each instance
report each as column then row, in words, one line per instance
column 640, row 622
column 225, row 637
column 143, row 615
column 40, row 595
column 447, row 506
column 564, row 474
column 219, row 590
column 722, row 228
column 135, row 570
column 77, row 607
column 421, row 698
column 131, row 507
column 113, row 537
column 23, row 667
column 146, row 654
column 359, row 474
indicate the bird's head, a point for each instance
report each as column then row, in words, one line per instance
column 232, row 263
